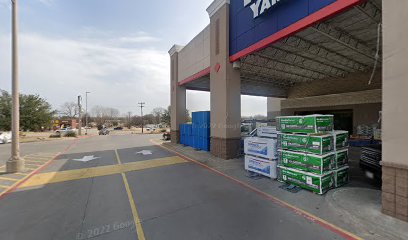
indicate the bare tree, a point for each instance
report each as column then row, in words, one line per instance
column 113, row 113
column 102, row 114
column 158, row 113
column 70, row 110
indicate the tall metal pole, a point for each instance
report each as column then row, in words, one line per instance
column 141, row 112
column 15, row 163
column 79, row 115
column 86, row 112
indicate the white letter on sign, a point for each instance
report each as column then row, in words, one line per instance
column 255, row 8
column 265, row 6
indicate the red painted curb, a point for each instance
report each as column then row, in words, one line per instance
column 281, row 203
column 3, row 195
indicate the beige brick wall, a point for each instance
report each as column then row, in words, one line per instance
column 395, row 192
column 195, row 56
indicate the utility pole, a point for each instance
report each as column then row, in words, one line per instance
column 15, row 163
column 79, row 115
column 86, row 112
column 141, row 113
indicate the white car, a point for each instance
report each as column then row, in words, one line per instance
column 5, row 137
column 64, row 131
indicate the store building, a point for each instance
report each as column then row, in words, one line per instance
column 345, row 57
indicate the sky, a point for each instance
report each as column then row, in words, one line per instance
column 117, row 50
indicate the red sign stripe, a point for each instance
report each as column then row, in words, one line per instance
column 322, row 14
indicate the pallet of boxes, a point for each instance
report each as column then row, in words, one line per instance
column 311, row 154
column 261, row 152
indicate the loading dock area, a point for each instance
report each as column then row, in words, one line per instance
column 345, row 57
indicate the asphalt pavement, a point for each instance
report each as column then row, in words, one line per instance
column 126, row 187
column 34, row 147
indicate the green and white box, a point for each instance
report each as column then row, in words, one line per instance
column 261, row 166
column 317, row 164
column 319, row 184
column 341, row 159
column 341, row 176
column 305, row 124
column 314, row 144
column 341, row 139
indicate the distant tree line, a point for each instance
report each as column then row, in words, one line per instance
column 37, row 114
column 101, row 115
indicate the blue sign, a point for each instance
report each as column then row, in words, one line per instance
column 252, row 21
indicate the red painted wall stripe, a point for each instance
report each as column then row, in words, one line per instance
column 322, row 14
column 201, row 73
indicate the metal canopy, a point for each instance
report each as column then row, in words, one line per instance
column 333, row 49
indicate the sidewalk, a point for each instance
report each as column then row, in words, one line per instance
column 355, row 207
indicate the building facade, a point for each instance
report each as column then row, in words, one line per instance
column 345, row 57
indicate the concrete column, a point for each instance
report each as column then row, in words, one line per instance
column 395, row 110
column 274, row 108
column 178, row 96
column 225, row 86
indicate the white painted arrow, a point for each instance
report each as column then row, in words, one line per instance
column 86, row 159
column 145, row 152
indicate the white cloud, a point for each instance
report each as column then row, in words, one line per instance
column 46, row 2
column 60, row 69
column 5, row 4
column 140, row 37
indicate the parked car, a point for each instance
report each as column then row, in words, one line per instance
column 104, row 131
column 166, row 136
column 5, row 137
column 118, row 128
column 64, row 131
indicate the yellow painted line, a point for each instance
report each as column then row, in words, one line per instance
column 42, row 154
column 31, row 164
column 34, row 162
column 31, row 168
column 70, row 175
column 38, row 158
column 4, row 186
column 21, row 174
column 117, row 157
column 136, row 219
column 9, row 179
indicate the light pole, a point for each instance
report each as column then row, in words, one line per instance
column 15, row 163
column 86, row 112
column 79, row 115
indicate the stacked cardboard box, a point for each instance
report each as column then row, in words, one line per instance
column 311, row 154
column 261, row 152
